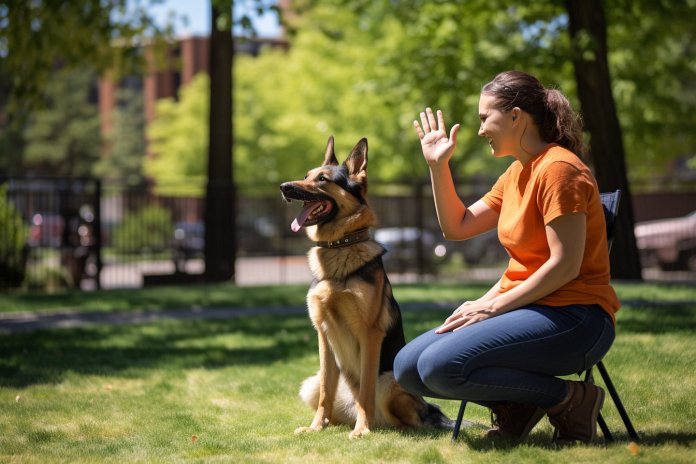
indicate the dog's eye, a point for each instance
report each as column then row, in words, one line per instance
column 322, row 178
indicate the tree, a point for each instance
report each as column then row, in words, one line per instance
column 220, row 208
column 588, row 28
column 33, row 42
column 287, row 103
column 63, row 138
column 454, row 44
column 41, row 42
column 126, row 141
column 179, row 140
column 651, row 46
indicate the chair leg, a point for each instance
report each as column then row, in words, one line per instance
column 605, row 430
column 617, row 402
column 458, row 423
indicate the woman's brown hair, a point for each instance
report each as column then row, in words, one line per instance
column 551, row 110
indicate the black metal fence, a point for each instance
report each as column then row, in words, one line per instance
column 91, row 234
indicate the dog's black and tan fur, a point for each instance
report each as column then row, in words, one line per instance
column 351, row 305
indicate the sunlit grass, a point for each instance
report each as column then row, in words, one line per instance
column 226, row 391
column 229, row 295
column 207, row 296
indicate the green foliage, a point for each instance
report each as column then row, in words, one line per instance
column 13, row 236
column 126, row 141
column 63, row 138
column 39, row 36
column 331, row 81
column 652, row 48
column 439, row 54
column 179, row 139
column 148, row 229
column 371, row 69
column 450, row 49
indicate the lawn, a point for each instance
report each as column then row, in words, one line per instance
column 226, row 391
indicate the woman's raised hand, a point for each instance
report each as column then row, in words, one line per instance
column 437, row 148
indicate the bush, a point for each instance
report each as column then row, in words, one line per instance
column 13, row 234
column 148, row 229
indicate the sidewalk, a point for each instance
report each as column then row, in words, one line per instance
column 29, row 322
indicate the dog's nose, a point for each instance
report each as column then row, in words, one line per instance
column 285, row 188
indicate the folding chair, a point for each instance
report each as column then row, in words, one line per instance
column 610, row 202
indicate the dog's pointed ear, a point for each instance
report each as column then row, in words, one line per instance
column 357, row 160
column 329, row 154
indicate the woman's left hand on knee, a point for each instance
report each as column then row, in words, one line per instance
column 467, row 314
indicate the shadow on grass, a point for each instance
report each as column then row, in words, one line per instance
column 658, row 319
column 477, row 441
column 632, row 318
column 46, row 356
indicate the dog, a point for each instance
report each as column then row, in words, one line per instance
column 351, row 305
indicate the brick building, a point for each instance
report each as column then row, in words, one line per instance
column 184, row 59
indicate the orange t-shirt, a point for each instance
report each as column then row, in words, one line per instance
column 527, row 198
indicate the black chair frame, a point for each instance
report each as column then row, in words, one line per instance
column 610, row 202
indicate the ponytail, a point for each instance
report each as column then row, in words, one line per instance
column 561, row 123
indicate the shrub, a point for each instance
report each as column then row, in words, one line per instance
column 13, row 234
column 148, row 229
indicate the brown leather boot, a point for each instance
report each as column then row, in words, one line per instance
column 575, row 418
column 514, row 421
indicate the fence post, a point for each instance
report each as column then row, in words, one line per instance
column 97, row 231
column 418, row 220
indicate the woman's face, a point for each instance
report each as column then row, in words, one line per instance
column 496, row 126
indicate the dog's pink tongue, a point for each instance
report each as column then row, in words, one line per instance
column 299, row 221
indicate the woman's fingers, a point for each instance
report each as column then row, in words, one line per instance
column 431, row 119
column 453, row 134
column 441, row 121
column 419, row 131
column 424, row 122
column 428, row 122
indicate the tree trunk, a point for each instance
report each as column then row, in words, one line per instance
column 220, row 230
column 588, row 33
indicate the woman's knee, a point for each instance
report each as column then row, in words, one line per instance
column 439, row 373
column 407, row 358
column 405, row 367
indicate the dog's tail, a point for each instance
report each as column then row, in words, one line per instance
column 395, row 406
column 344, row 411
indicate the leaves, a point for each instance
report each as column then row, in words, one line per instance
column 33, row 43
column 63, row 138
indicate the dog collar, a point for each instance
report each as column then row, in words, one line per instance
column 354, row 237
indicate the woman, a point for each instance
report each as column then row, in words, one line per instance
column 552, row 311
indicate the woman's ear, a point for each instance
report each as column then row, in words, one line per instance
column 515, row 112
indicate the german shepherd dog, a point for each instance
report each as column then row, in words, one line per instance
column 351, row 305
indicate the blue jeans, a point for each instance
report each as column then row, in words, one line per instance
column 515, row 356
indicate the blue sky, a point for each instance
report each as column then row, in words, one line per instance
column 198, row 16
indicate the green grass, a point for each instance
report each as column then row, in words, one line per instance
column 228, row 295
column 206, row 296
column 140, row 393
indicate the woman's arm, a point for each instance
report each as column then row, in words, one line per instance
column 566, row 239
column 456, row 221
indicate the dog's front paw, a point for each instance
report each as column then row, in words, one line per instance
column 311, row 428
column 358, row 432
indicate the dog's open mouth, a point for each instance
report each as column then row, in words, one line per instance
column 312, row 213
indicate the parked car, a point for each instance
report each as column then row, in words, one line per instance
column 46, row 229
column 403, row 243
column 669, row 243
